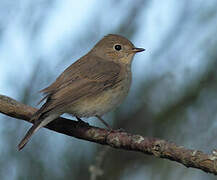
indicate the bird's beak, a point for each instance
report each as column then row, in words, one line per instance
column 136, row 50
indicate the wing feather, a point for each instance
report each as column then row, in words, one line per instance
column 85, row 78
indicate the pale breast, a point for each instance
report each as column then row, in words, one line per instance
column 104, row 102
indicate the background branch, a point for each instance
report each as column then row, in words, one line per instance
column 121, row 140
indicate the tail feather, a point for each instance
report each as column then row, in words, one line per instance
column 29, row 134
column 38, row 124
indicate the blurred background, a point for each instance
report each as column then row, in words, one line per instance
column 173, row 95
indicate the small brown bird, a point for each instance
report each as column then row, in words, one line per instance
column 92, row 86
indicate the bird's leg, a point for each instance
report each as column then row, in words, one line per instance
column 105, row 123
column 80, row 121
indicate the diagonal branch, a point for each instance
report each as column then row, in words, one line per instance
column 116, row 139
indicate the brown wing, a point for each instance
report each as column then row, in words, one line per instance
column 86, row 77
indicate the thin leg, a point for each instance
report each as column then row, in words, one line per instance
column 105, row 123
column 80, row 121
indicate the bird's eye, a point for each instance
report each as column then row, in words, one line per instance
column 117, row 47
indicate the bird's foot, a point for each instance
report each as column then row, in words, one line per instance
column 120, row 130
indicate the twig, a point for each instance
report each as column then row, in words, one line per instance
column 96, row 169
column 116, row 139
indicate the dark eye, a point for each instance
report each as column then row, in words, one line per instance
column 117, row 47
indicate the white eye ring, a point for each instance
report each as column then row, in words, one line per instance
column 117, row 47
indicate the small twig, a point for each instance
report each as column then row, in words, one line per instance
column 116, row 139
column 96, row 169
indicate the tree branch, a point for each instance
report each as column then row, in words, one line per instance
column 121, row 140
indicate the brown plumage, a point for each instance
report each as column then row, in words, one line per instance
column 92, row 86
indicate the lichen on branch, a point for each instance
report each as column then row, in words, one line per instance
column 117, row 139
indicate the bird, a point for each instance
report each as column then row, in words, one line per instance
column 93, row 85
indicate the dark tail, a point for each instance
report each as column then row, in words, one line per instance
column 32, row 130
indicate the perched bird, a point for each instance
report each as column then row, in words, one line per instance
column 92, row 86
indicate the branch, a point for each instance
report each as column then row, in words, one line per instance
column 121, row 140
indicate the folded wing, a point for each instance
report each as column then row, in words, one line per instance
column 84, row 78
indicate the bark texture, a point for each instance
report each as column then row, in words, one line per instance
column 116, row 139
